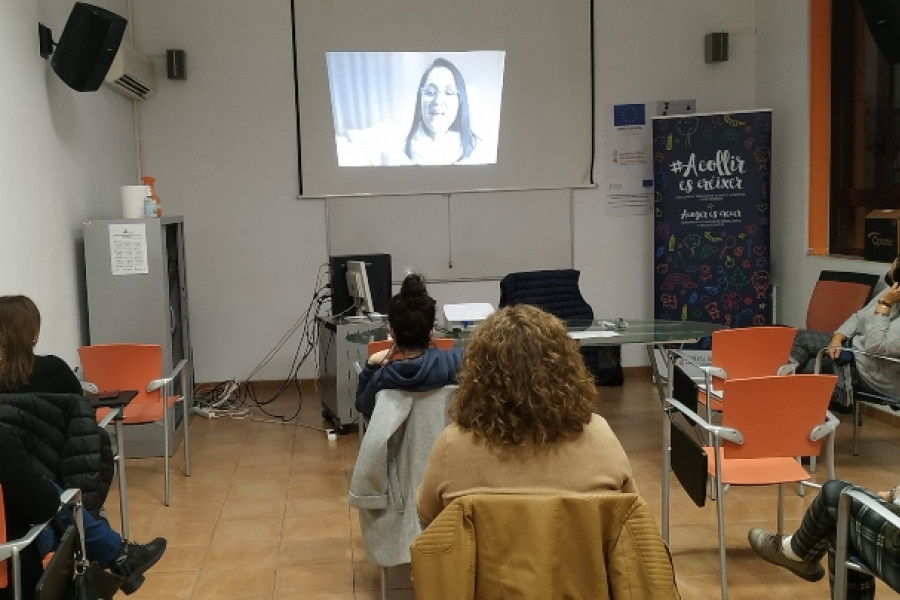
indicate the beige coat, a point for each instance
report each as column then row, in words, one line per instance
column 494, row 546
column 462, row 464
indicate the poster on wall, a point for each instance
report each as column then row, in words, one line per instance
column 711, row 218
column 628, row 165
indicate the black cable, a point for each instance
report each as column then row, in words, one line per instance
column 309, row 336
column 245, row 393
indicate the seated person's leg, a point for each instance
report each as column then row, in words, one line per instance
column 875, row 541
column 807, row 344
column 126, row 559
column 802, row 552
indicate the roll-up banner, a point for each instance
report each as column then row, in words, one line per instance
column 711, row 217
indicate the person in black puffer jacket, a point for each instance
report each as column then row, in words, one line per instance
column 43, row 400
column 62, row 434
column 30, row 496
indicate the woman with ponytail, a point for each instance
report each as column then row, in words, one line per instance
column 412, row 362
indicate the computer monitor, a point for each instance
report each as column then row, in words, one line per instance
column 378, row 269
column 358, row 287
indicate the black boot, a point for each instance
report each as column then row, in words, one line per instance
column 133, row 559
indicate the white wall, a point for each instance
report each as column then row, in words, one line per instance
column 649, row 50
column 222, row 145
column 63, row 156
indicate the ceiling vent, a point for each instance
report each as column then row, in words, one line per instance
column 131, row 74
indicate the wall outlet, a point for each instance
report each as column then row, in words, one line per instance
column 675, row 107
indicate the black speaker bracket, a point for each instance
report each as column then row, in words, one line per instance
column 45, row 38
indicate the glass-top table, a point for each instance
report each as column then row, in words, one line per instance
column 597, row 332
column 655, row 335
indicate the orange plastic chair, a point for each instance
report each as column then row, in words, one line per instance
column 10, row 549
column 836, row 296
column 139, row 367
column 745, row 352
column 379, row 345
column 766, row 423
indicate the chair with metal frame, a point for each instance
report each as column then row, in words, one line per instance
column 139, row 367
column 766, row 423
column 746, row 352
column 10, row 549
column 857, row 397
column 844, row 560
column 836, row 296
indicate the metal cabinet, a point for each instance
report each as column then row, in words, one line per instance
column 337, row 373
column 136, row 286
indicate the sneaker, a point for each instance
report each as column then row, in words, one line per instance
column 133, row 559
column 768, row 546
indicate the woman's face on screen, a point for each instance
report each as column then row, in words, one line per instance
column 440, row 100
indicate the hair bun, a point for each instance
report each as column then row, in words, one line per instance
column 413, row 286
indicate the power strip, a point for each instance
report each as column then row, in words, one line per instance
column 204, row 412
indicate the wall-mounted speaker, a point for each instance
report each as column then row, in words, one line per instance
column 883, row 19
column 715, row 47
column 87, row 46
column 175, row 65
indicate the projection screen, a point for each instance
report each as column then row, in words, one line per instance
column 419, row 96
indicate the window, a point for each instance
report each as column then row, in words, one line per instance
column 864, row 156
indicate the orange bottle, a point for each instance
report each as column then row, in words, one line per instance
column 149, row 181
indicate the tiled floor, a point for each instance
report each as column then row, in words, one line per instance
column 264, row 514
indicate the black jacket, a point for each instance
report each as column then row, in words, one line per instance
column 29, row 498
column 61, row 432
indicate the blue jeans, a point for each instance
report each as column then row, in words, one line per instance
column 100, row 540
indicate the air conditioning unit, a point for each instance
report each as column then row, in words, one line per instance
column 131, row 74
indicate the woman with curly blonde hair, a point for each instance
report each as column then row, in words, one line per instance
column 522, row 419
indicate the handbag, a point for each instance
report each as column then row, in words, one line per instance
column 92, row 582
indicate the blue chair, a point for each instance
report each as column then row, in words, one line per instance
column 556, row 291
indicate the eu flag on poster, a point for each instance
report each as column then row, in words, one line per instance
column 629, row 114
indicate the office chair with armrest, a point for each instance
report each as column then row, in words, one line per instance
column 857, row 397
column 557, row 292
column 139, row 367
column 766, row 423
column 836, row 296
column 844, row 560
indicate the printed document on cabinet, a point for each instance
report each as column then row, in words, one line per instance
column 128, row 248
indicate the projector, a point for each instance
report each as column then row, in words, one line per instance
column 460, row 316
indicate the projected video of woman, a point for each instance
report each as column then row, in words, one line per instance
column 441, row 132
column 407, row 108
